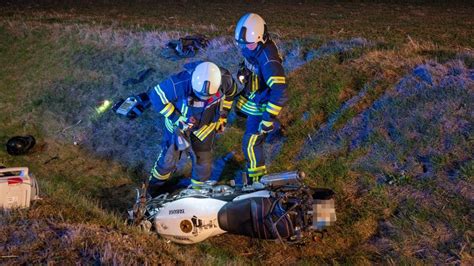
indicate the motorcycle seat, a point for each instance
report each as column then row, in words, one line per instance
column 253, row 217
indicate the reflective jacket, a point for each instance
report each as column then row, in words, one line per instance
column 265, row 92
column 174, row 97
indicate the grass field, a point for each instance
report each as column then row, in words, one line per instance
column 380, row 110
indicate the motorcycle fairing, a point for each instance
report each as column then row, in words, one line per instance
column 189, row 220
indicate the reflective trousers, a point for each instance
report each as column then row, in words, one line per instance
column 169, row 156
column 252, row 147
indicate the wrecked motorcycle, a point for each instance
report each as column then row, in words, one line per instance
column 280, row 207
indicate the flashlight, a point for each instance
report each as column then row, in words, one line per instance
column 103, row 107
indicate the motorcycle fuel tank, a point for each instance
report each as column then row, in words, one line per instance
column 189, row 220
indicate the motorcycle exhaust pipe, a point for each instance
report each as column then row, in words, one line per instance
column 282, row 179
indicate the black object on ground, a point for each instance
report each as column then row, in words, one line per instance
column 51, row 159
column 141, row 76
column 186, row 47
column 20, row 145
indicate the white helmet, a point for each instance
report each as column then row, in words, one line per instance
column 251, row 28
column 206, row 80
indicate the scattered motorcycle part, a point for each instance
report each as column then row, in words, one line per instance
column 133, row 106
column 51, row 159
column 141, row 76
column 17, row 188
column 20, row 145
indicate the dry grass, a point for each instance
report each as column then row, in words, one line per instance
column 76, row 243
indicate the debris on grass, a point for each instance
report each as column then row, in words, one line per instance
column 107, row 57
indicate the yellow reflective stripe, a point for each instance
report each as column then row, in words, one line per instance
column 246, row 110
column 184, row 109
column 208, row 131
column 249, row 107
column 242, row 101
column 234, row 89
column 250, row 151
column 273, row 109
column 249, row 104
column 198, row 132
column 267, row 123
column 270, row 84
column 253, row 83
column 157, row 175
column 249, row 112
column 256, row 175
column 273, row 112
column 255, row 178
column 257, row 172
column 227, row 104
column 160, row 93
column 196, row 182
column 274, row 106
column 275, row 80
column 252, row 95
column 167, row 110
column 257, row 169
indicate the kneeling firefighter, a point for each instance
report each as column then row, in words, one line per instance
column 195, row 104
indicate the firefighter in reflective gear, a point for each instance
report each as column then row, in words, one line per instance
column 264, row 93
column 196, row 100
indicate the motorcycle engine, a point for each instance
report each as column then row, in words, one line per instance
column 207, row 190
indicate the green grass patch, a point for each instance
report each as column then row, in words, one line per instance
column 467, row 171
column 218, row 256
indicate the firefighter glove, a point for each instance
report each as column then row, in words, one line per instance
column 265, row 127
column 184, row 123
column 221, row 124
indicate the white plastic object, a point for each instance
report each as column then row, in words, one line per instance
column 250, row 29
column 189, row 220
column 206, row 73
column 17, row 188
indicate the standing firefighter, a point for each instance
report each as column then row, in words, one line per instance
column 264, row 94
column 195, row 103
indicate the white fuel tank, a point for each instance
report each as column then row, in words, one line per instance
column 189, row 220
